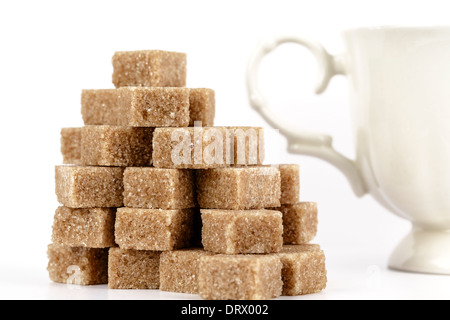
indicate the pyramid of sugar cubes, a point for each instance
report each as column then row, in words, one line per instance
column 153, row 196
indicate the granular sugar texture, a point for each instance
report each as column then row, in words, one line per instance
column 89, row 228
column 240, row 277
column 80, row 266
column 132, row 269
column 179, row 270
column 242, row 232
column 155, row 188
column 290, row 183
column 89, row 187
column 114, row 146
column 239, row 188
column 71, row 145
column 153, row 229
column 152, row 68
column 304, row 270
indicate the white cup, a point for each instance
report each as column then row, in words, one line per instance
column 399, row 79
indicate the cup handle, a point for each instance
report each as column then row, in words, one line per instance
column 299, row 141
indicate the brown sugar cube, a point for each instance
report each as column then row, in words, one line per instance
column 154, row 230
column 101, row 107
column 148, row 107
column 139, row 107
column 239, row 188
column 154, row 188
column 236, row 232
column 116, row 146
column 240, row 277
column 246, row 145
column 207, row 147
column 202, row 106
column 89, row 187
column 290, row 183
column 179, row 270
column 89, row 228
column 304, row 270
column 71, row 145
column 132, row 269
column 300, row 222
column 155, row 107
column 80, row 266
column 149, row 69
column 300, row 248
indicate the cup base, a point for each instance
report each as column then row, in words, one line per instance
column 423, row 251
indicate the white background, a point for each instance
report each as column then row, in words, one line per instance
column 51, row 50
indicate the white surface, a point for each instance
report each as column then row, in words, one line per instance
column 53, row 49
column 352, row 275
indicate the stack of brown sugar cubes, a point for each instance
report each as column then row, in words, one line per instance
column 155, row 197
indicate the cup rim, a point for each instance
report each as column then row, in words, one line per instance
column 384, row 28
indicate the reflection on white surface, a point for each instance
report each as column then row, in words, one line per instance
column 349, row 278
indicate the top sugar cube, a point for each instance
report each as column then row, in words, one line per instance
column 149, row 69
